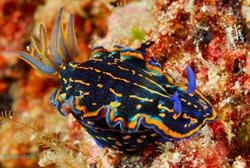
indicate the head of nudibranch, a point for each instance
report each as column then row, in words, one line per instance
column 190, row 104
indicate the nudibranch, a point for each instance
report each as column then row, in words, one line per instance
column 122, row 99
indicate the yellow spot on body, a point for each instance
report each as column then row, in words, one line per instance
column 115, row 93
column 191, row 94
column 153, row 134
column 165, row 108
column 138, row 106
column 141, row 98
column 126, row 137
column 189, row 103
column 195, row 106
column 115, row 147
column 125, row 69
column 205, row 107
column 72, row 65
column 114, row 77
column 84, row 94
column 97, row 70
column 79, row 81
column 202, row 101
column 151, row 81
column 149, row 73
column 183, row 100
column 96, row 59
column 68, row 87
column 143, row 136
column 115, row 104
column 64, row 80
column 192, row 120
column 111, row 138
column 111, row 63
column 118, row 143
column 133, row 72
column 151, row 91
column 104, row 139
column 99, row 85
column 90, row 122
column 162, row 115
column 175, row 116
column 97, row 137
column 85, row 68
column 93, row 104
column 139, row 140
column 64, row 67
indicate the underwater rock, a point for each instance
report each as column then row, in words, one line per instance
column 243, row 132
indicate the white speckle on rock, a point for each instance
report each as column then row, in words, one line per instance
column 176, row 157
column 225, row 102
column 239, row 163
column 237, row 85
